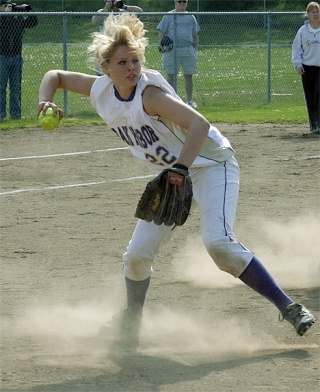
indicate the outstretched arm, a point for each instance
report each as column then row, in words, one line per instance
column 113, row 7
column 119, row 5
column 132, row 8
column 57, row 79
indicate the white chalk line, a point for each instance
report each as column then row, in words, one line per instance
column 300, row 158
column 116, row 149
column 53, row 187
column 63, row 155
column 310, row 157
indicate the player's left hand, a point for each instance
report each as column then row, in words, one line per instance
column 167, row 198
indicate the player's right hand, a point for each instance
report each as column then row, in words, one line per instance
column 44, row 105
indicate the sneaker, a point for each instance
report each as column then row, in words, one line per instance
column 315, row 130
column 192, row 104
column 315, row 127
column 124, row 326
column 299, row 317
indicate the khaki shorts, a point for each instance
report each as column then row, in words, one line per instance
column 185, row 57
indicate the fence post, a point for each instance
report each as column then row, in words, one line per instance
column 175, row 71
column 65, row 59
column 269, row 56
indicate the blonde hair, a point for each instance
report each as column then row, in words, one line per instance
column 310, row 7
column 124, row 29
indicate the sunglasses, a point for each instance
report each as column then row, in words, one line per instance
column 181, row 1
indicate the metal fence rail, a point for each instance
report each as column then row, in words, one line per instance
column 242, row 57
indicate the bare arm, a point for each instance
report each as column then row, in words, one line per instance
column 160, row 36
column 132, row 8
column 196, row 41
column 56, row 79
column 157, row 102
column 97, row 19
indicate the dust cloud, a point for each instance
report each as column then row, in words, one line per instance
column 65, row 330
column 177, row 332
column 290, row 251
column 64, row 321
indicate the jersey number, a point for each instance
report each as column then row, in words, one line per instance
column 162, row 157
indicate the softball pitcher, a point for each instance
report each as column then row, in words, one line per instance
column 162, row 131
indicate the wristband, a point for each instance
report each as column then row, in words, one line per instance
column 180, row 166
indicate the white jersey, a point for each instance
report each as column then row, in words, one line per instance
column 306, row 46
column 153, row 139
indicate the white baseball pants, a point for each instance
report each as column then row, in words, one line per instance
column 215, row 190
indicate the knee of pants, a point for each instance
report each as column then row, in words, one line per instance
column 229, row 256
column 137, row 268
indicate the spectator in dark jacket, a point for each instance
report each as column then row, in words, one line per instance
column 12, row 28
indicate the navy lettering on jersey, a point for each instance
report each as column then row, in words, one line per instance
column 143, row 138
column 134, row 135
column 146, row 135
column 123, row 134
column 126, row 131
column 152, row 135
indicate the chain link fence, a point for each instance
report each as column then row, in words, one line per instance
column 244, row 59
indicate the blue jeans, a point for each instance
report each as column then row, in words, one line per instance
column 11, row 72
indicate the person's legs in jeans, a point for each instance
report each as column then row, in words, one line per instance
column 15, row 79
column 4, row 76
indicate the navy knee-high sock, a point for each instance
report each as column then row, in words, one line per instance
column 136, row 293
column 259, row 279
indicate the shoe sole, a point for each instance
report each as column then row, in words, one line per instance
column 303, row 330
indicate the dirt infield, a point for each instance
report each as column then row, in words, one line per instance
column 67, row 204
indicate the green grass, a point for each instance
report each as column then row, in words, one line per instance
column 230, row 86
column 272, row 113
